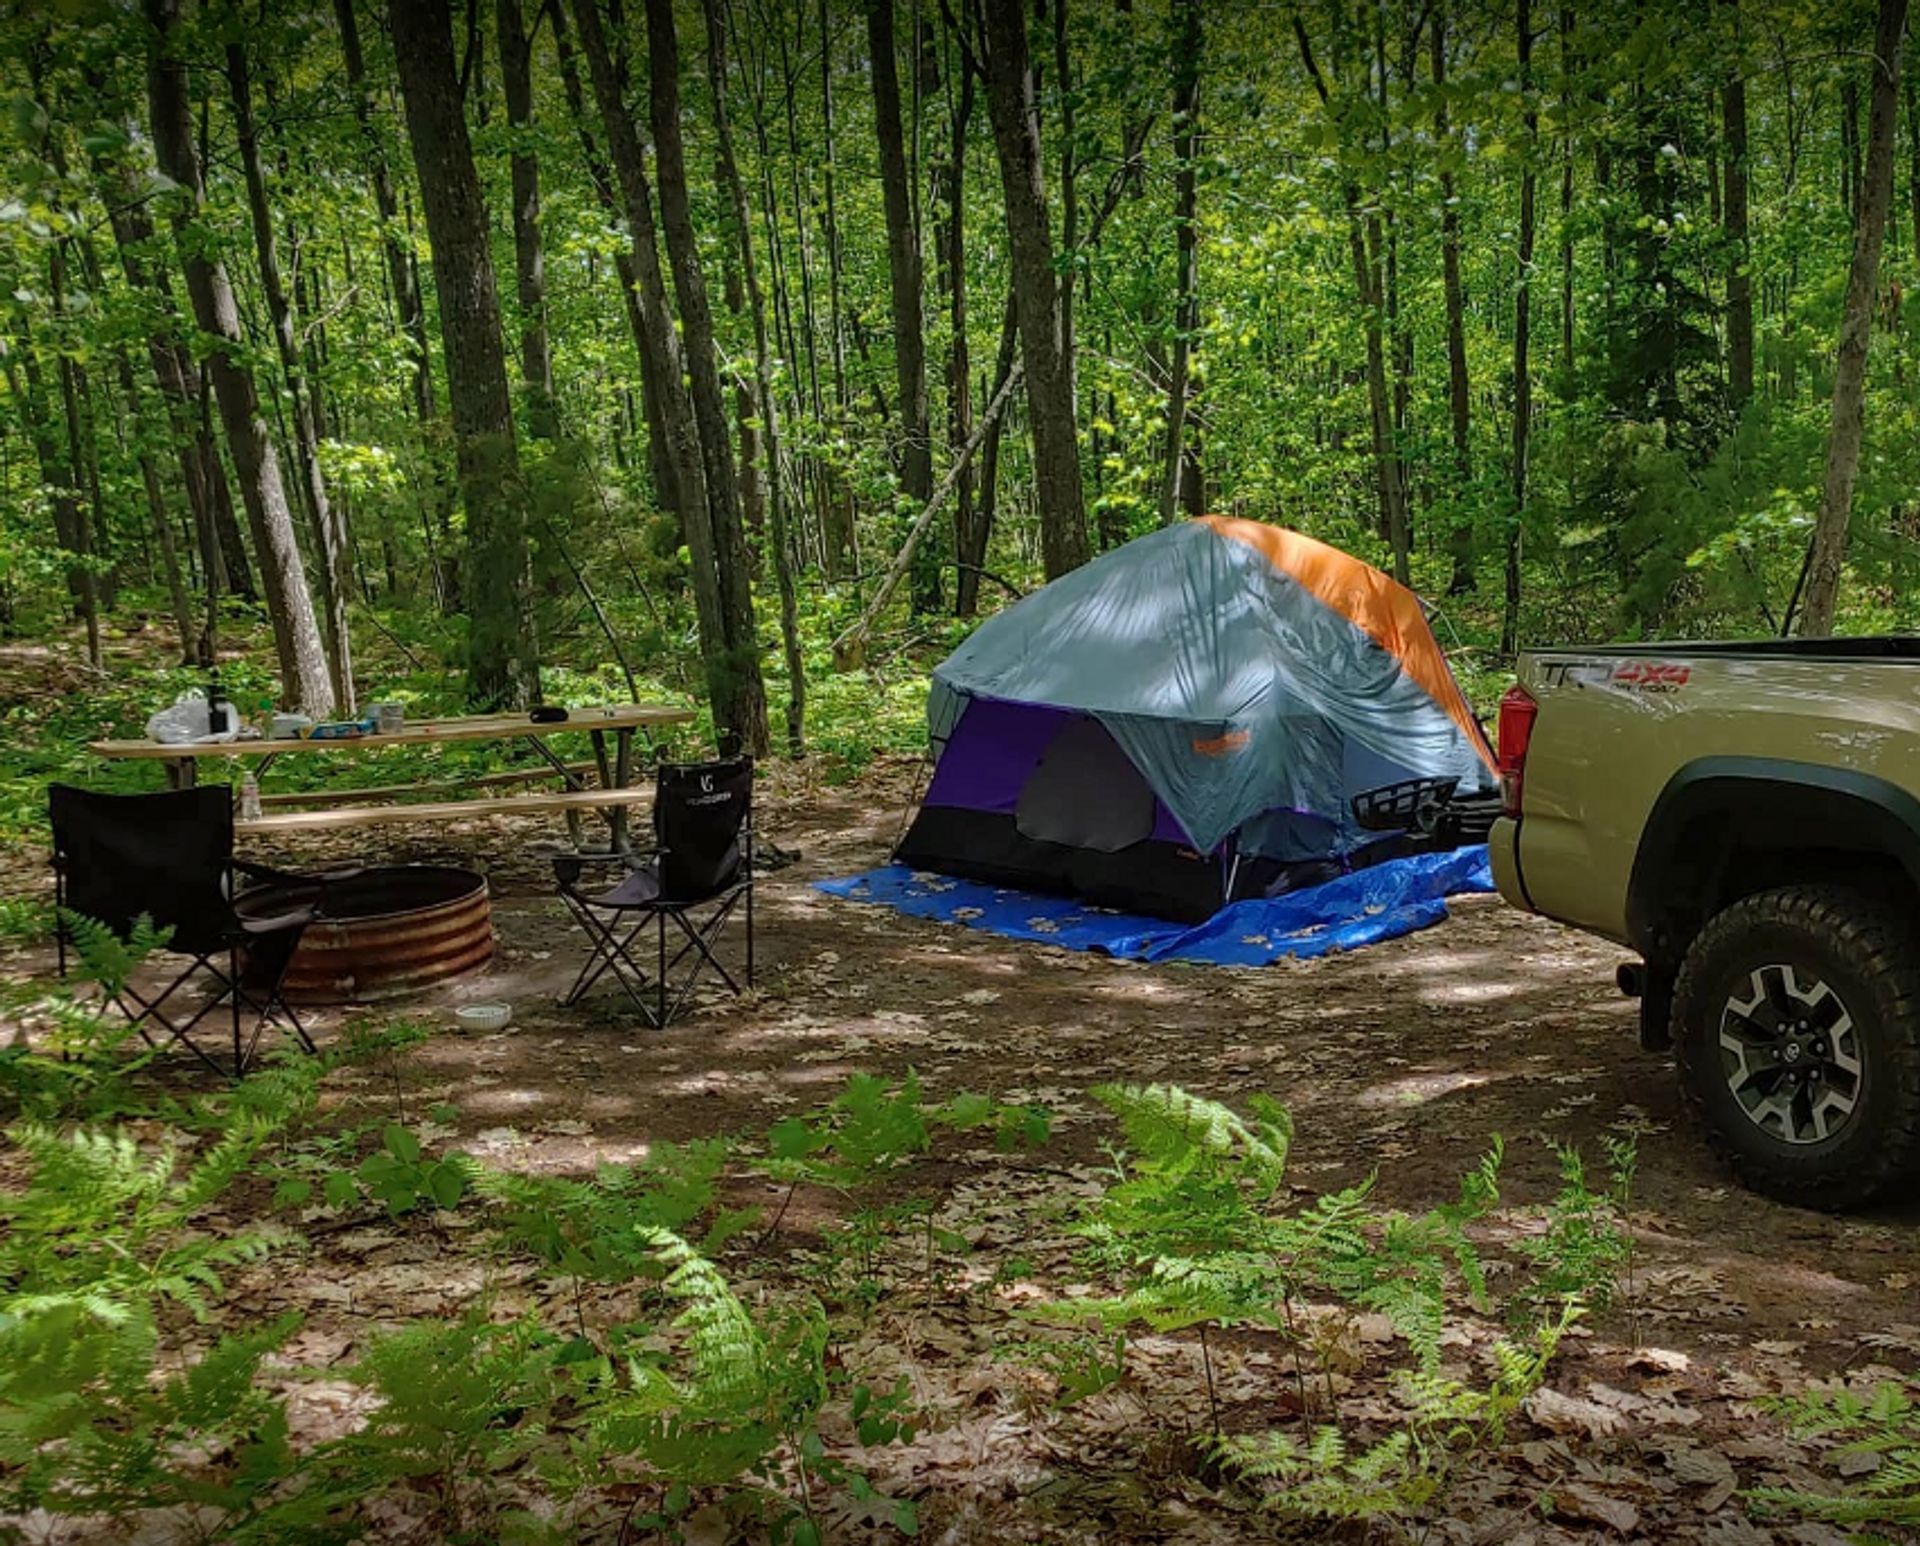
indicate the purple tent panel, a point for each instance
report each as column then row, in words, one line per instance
column 993, row 751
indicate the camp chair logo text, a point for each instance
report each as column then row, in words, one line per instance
column 1224, row 745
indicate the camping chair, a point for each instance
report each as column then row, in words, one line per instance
column 169, row 858
column 703, row 826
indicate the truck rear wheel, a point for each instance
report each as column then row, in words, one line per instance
column 1797, row 1027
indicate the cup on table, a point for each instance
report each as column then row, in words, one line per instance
column 389, row 718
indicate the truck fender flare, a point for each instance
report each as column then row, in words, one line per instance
column 1715, row 805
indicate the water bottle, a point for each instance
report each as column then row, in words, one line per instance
column 219, row 710
column 249, row 797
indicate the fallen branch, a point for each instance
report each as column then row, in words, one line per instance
column 849, row 650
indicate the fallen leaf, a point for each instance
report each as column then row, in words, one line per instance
column 1572, row 1414
column 1576, row 1500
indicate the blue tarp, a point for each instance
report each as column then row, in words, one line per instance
column 1381, row 902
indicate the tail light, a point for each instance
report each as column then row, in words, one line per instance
column 1517, row 714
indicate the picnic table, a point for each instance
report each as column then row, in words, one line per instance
column 613, row 764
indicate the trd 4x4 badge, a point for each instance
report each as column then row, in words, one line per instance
column 1626, row 675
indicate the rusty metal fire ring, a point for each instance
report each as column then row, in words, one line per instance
column 388, row 931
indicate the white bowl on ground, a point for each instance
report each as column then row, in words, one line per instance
column 483, row 1017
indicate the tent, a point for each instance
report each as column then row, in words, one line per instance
column 1184, row 723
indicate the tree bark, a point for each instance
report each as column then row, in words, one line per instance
column 660, row 463
column 677, row 426
column 1044, row 343
column 303, row 671
column 501, row 665
column 951, row 239
column 743, row 690
column 1522, row 331
column 529, row 257
column 1733, row 112
column 177, row 596
column 763, row 383
column 1364, row 255
column 59, row 475
column 404, row 278
column 1459, row 395
column 905, row 273
column 1567, row 359
column 1186, row 309
column 335, row 566
column 1829, row 552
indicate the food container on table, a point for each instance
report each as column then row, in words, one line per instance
column 290, row 727
column 389, row 718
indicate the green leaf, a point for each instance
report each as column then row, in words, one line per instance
column 401, row 1144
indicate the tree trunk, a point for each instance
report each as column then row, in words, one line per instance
column 904, row 270
column 1733, row 113
column 404, row 278
column 59, row 473
column 763, row 383
column 660, row 463
column 973, row 552
column 1459, row 396
column 177, row 596
column 335, row 566
column 1829, row 554
column 1364, row 254
column 1567, row 356
column 303, row 669
column 1522, row 330
column 835, row 299
column 1044, row 344
column 743, row 690
column 676, row 414
column 501, row 665
column 951, row 238
column 1186, row 308
column 529, row 258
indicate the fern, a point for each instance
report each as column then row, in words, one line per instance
column 1885, row 1424
column 1580, row 1256
column 867, row 1130
column 1325, row 1478
column 1173, row 1134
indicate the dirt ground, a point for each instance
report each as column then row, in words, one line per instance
column 1400, row 1060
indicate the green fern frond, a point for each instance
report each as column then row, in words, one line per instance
column 1173, row 1132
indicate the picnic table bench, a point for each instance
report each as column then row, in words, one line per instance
column 612, row 764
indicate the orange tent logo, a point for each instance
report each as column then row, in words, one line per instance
column 1221, row 745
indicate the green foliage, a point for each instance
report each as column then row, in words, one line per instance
column 1880, row 1426
column 460, row 1404
column 401, row 1178
column 868, row 1129
column 607, row 1230
column 1584, row 1249
column 100, row 1238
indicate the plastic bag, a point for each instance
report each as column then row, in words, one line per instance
column 186, row 720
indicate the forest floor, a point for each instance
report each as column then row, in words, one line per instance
column 1400, row 1061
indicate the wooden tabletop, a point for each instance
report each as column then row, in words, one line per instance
column 423, row 732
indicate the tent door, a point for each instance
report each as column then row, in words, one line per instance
column 1085, row 793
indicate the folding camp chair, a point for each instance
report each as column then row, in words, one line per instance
column 169, row 858
column 703, row 826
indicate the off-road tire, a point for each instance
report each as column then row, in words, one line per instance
column 1868, row 955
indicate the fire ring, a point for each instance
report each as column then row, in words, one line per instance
column 387, row 932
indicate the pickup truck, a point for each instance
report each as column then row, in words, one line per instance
column 1744, row 818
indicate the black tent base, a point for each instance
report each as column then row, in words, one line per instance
column 1155, row 878
column 1159, row 879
